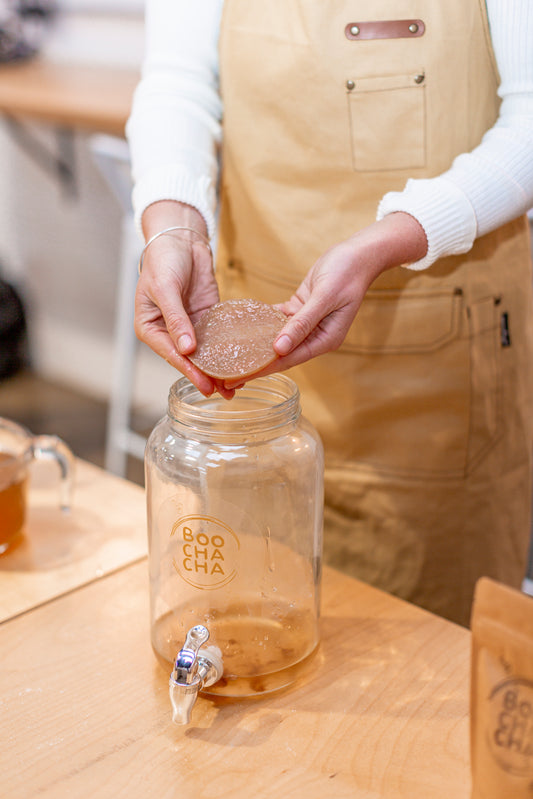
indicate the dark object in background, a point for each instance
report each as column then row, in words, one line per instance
column 23, row 25
column 13, row 340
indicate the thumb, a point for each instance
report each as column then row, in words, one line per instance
column 299, row 327
column 177, row 322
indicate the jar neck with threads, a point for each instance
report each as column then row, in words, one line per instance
column 264, row 407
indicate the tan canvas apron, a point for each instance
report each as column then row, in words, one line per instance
column 426, row 409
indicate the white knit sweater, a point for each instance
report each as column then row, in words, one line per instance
column 174, row 130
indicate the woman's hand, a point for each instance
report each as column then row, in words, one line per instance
column 326, row 303
column 176, row 286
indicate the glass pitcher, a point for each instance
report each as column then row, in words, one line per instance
column 235, row 505
column 18, row 449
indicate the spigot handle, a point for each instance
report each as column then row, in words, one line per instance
column 193, row 670
column 187, row 659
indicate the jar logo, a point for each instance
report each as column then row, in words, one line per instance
column 510, row 731
column 207, row 550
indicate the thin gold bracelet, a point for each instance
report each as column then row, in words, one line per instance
column 169, row 230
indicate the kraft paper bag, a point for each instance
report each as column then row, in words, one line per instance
column 501, row 693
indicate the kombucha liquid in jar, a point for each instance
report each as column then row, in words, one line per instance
column 235, row 504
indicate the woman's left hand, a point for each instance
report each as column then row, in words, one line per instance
column 326, row 302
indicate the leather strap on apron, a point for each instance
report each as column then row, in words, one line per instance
column 426, row 409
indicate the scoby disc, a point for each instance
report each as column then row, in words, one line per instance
column 235, row 338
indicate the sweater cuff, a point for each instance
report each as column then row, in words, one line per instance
column 444, row 212
column 180, row 184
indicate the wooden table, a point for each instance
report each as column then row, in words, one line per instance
column 85, row 710
column 104, row 530
column 73, row 96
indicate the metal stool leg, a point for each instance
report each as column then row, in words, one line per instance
column 112, row 157
column 121, row 440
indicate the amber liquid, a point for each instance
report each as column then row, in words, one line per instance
column 260, row 652
column 12, row 500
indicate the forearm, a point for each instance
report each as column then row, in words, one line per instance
column 396, row 240
column 325, row 304
column 493, row 184
column 174, row 129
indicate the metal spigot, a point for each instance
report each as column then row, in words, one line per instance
column 194, row 669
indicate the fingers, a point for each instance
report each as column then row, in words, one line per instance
column 228, row 392
column 164, row 296
column 327, row 336
column 177, row 284
column 163, row 345
column 296, row 357
column 299, row 327
column 179, row 326
column 150, row 328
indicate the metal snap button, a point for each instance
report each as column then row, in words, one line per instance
column 419, row 78
column 350, row 84
column 354, row 30
column 413, row 28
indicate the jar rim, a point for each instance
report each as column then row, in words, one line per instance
column 277, row 401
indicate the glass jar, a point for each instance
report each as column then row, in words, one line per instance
column 235, row 505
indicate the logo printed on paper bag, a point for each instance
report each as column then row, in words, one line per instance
column 206, row 551
column 510, row 734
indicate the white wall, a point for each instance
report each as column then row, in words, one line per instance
column 98, row 31
column 63, row 250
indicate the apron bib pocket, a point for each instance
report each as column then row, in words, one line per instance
column 387, row 118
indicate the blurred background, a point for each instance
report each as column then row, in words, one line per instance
column 64, row 225
column 69, row 363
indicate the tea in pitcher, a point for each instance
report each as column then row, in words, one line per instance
column 13, row 483
column 18, row 449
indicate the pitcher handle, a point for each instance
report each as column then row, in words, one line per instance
column 48, row 447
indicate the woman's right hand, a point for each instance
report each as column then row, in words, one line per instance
column 176, row 285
